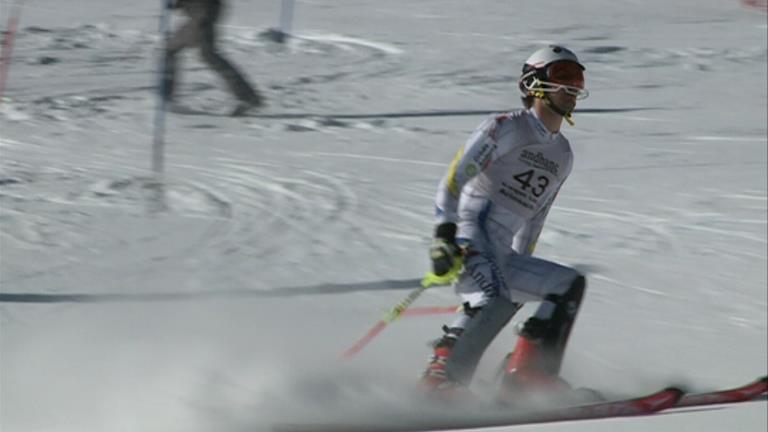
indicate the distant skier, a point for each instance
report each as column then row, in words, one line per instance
column 200, row 31
column 491, row 207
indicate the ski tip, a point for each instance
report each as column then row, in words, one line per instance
column 675, row 389
column 666, row 398
column 763, row 383
column 675, row 394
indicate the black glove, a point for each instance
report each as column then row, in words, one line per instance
column 444, row 251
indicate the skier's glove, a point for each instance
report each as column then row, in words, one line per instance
column 444, row 251
column 446, row 256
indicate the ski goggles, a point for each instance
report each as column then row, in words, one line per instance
column 568, row 76
column 566, row 73
column 529, row 84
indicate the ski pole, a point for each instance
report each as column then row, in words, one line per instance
column 7, row 48
column 390, row 316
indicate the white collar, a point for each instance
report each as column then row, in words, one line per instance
column 540, row 126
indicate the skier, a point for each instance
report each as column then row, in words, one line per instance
column 491, row 207
column 200, row 31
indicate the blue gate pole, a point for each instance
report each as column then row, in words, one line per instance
column 286, row 17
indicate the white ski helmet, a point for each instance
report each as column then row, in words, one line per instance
column 550, row 69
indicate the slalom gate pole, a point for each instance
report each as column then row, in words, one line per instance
column 390, row 316
column 286, row 17
column 158, row 142
column 7, row 48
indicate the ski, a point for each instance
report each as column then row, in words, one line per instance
column 739, row 394
column 644, row 405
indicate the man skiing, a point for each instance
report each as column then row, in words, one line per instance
column 200, row 31
column 491, row 206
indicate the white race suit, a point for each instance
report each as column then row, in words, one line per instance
column 498, row 190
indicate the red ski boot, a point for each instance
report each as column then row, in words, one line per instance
column 435, row 381
column 434, row 376
column 526, row 380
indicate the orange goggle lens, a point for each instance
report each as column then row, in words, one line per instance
column 567, row 73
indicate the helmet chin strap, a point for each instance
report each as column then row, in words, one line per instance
column 544, row 96
column 551, row 105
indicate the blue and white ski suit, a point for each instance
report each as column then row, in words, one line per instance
column 498, row 190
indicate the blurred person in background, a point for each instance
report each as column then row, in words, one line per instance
column 491, row 206
column 200, row 31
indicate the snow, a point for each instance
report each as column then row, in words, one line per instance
column 284, row 239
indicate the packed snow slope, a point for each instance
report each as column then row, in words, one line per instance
column 283, row 239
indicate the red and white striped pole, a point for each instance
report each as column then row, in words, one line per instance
column 7, row 48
